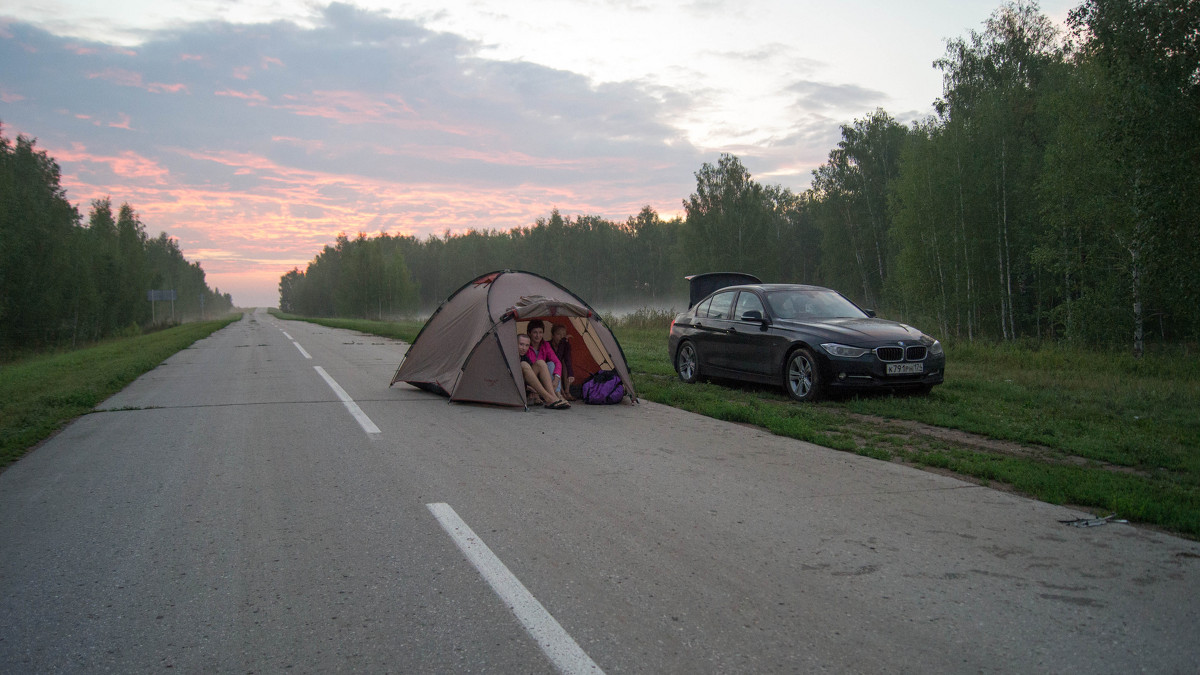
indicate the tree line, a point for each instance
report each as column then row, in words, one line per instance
column 64, row 281
column 1055, row 194
column 394, row 275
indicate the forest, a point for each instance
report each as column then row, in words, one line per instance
column 65, row 282
column 1054, row 195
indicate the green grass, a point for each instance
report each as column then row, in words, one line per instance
column 39, row 394
column 1107, row 408
column 1094, row 430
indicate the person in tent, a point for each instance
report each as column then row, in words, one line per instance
column 562, row 348
column 536, row 330
column 537, row 376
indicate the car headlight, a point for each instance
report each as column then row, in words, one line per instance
column 935, row 349
column 844, row 351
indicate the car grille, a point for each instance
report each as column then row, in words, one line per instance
column 913, row 353
column 889, row 353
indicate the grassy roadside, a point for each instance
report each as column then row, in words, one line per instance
column 41, row 393
column 1107, row 433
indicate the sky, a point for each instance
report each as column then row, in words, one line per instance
column 254, row 132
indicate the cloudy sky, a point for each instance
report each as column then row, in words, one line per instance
column 254, row 132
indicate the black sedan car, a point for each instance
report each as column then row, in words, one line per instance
column 809, row 339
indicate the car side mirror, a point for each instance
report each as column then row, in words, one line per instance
column 757, row 316
column 870, row 313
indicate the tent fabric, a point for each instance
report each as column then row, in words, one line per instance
column 467, row 350
column 535, row 306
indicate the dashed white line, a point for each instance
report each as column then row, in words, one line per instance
column 285, row 334
column 359, row 416
column 306, row 354
column 555, row 642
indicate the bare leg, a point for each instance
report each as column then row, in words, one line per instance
column 543, row 373
column 532, row 380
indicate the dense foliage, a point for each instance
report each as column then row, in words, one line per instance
column 1055, row 194
column 387, row 276
column 65, row 282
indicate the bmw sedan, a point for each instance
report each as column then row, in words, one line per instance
column 809, row 339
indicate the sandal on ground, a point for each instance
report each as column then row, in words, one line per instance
column 558, row 405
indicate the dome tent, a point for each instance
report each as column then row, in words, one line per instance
column 468, row 349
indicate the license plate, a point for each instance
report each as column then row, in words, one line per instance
column 905, row 368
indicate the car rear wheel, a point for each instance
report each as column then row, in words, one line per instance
column 687, row 363
column 802, row 376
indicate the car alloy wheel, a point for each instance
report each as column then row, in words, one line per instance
column 802, row 379
column 687, row 363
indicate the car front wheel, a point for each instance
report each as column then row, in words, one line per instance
column 687, row 363
column 801, row 376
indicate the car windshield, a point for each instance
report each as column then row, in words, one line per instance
column 812, row 304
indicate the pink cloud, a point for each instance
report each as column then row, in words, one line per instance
column 161, row 87
column 125, row 78
column 122, row 123
column 308, row 144
column 9, row 97
column 503, row 157
column 254, row 97
column 128, row 78
column 247, row 238
column 265, row 63
column 80, row 50
column 350, row 107
column 127, row 164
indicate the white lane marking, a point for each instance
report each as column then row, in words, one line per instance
column 360, row 416
column 556, row 643
column 285, row 334
column 306, row 355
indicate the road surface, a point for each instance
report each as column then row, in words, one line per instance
column 230, row 512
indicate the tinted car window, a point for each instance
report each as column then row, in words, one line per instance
column 702, row 309
column 721, row 304
column 812, row 304
column 748, row 302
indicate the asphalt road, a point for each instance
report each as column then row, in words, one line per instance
column 229, row 512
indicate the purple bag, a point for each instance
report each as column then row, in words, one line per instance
column 603, row 388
